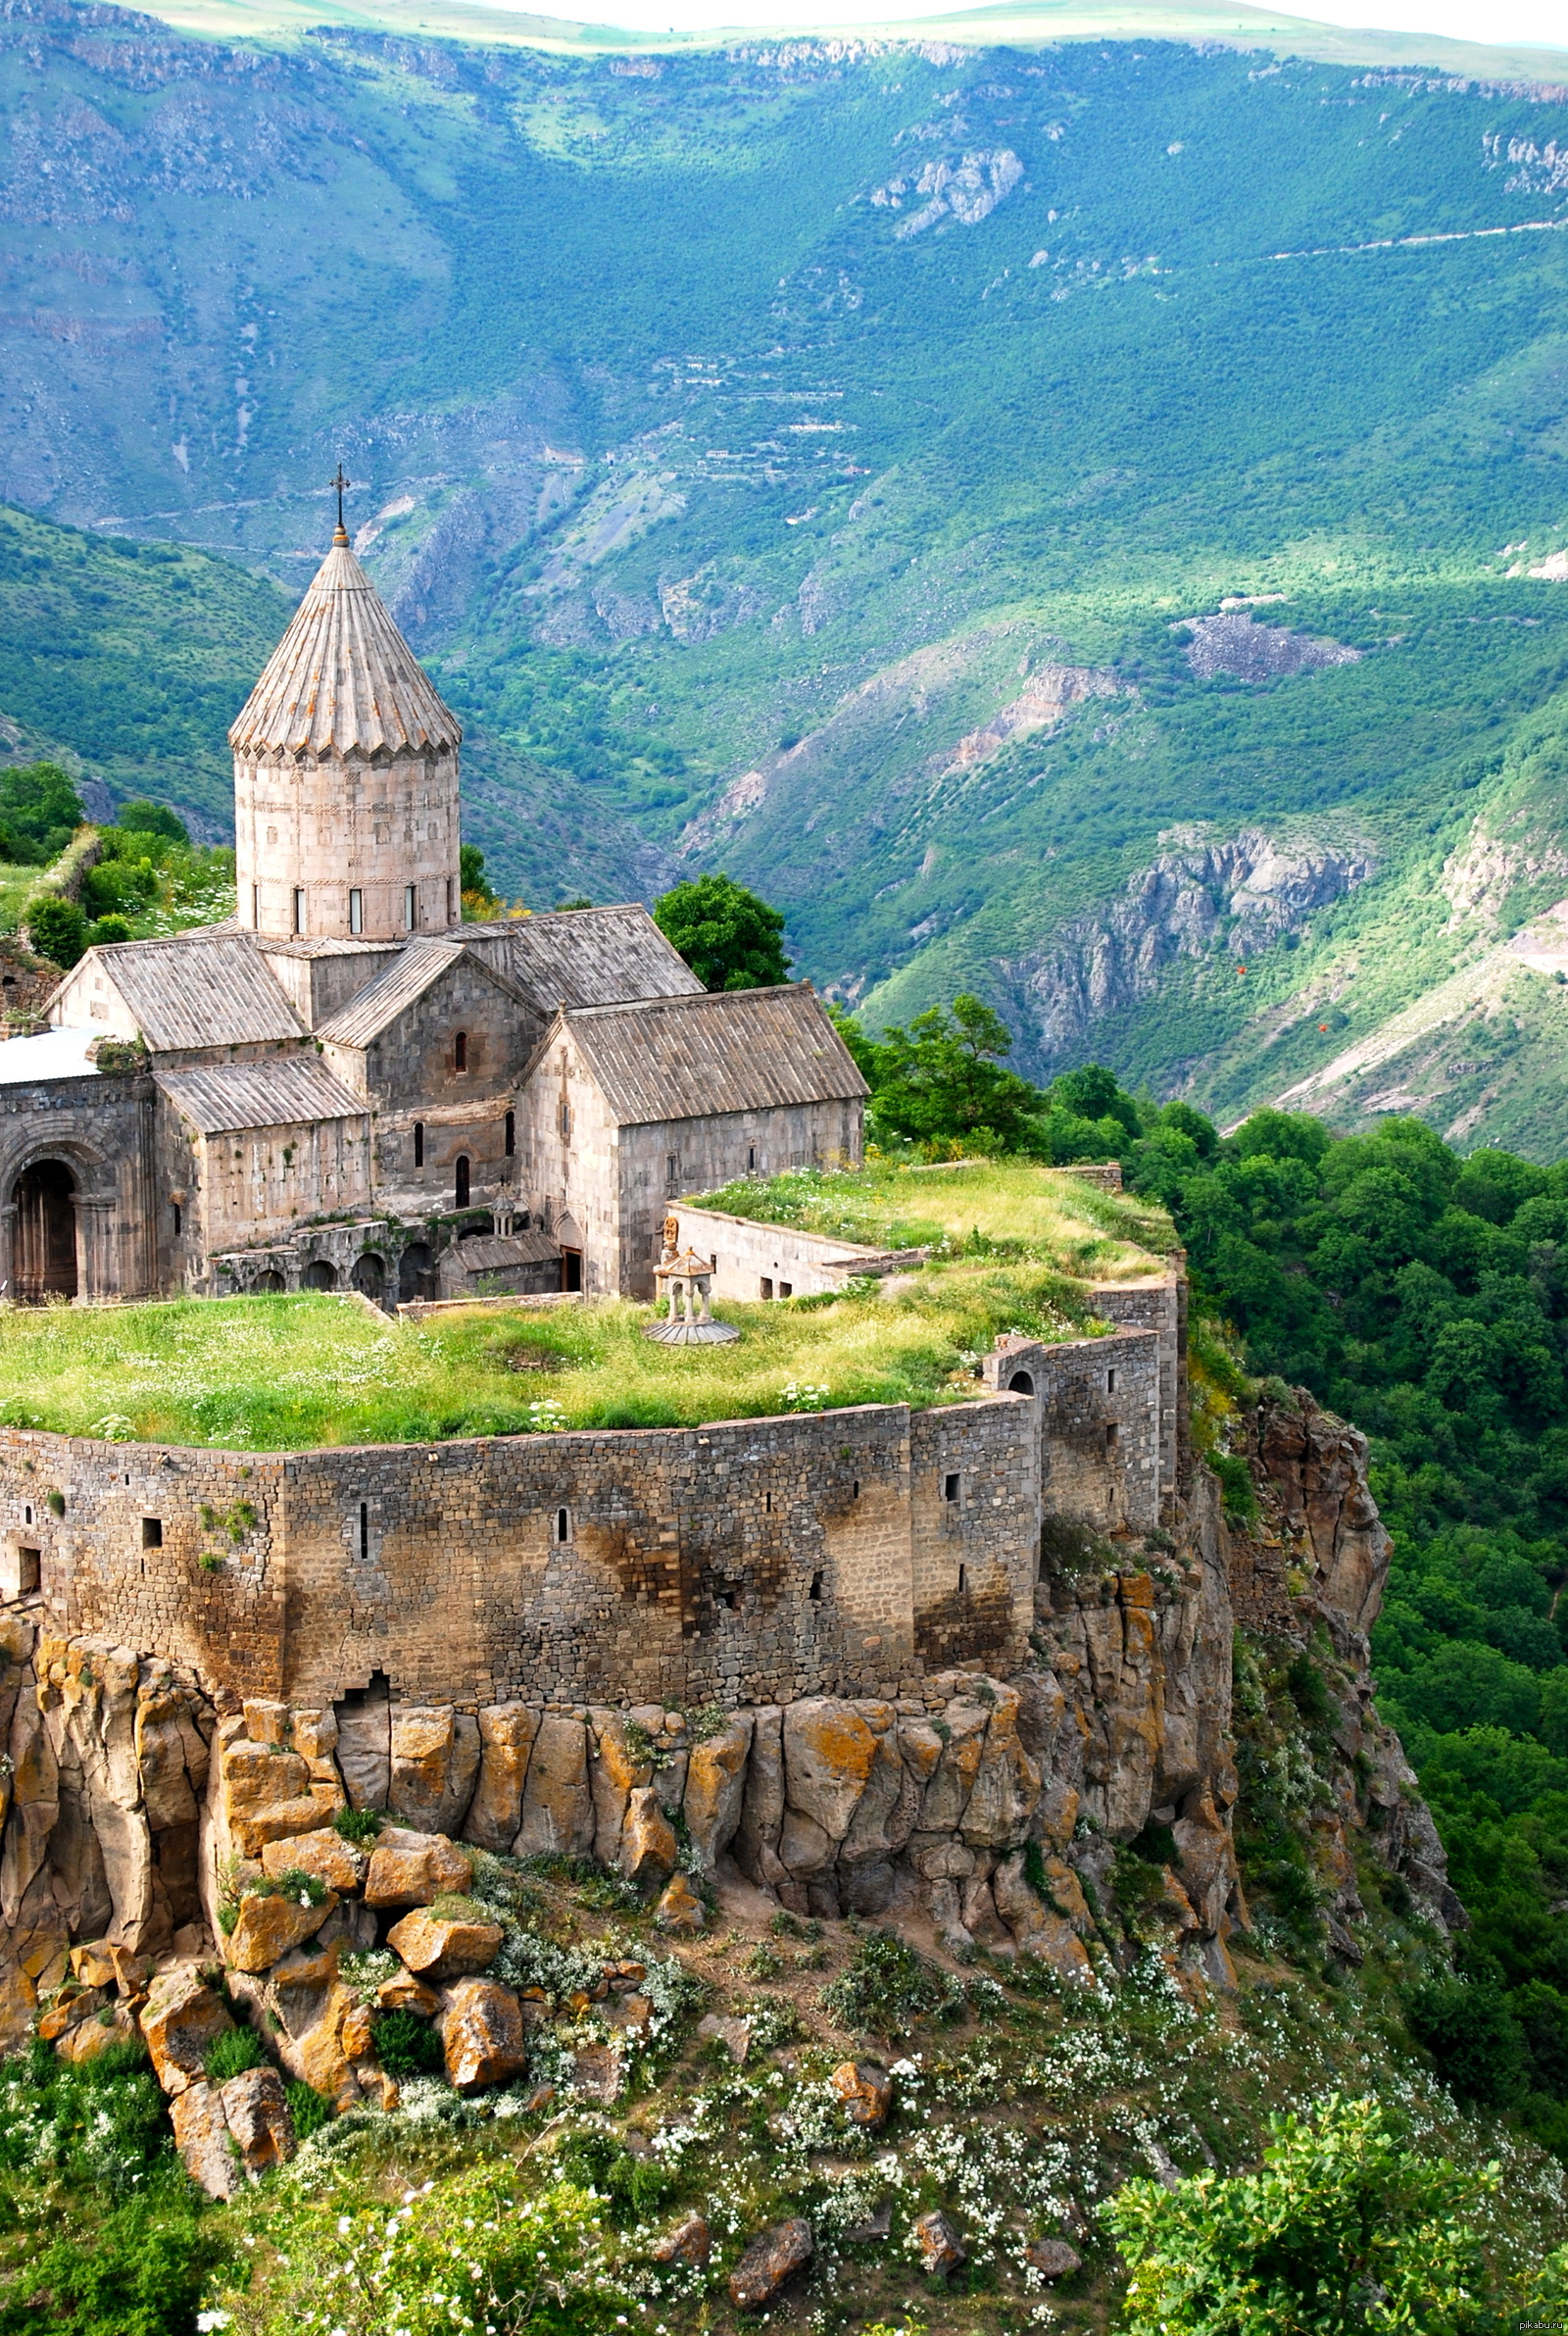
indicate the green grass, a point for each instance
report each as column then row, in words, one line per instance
column 1016, row 1206
column 277, row 1373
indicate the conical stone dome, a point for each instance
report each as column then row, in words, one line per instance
column 343, row 679
column 346, row 816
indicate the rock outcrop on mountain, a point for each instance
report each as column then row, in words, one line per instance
column 1234, row 642
column 1202, row 897
column 156, row 1839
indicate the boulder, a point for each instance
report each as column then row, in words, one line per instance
column 679, row 1908
column 946, row 1796
column 201, row 2136
column 436, row 1756
column 734, row 2034
column 111, row 2023
column 365, row 1749
column 1038, row 1929
column 412, row 1869
column 690, row 2243
column 756, row 1843
column 829, row 1753
column 481, row 2031
column 613, row 1776
column 256, row 2110
column 179, row 2022
column 558, row 1804
column 323, row 1854
column 865, row 2092
column 1006, row 1786
column 313, row 2006
column 596, row 2072
column 404, row 1992
column 1053, row 2259
column 941, row 2247
column 269, row 1927
column 505, row 1739
column 715, row 1786
column 436, row 1947
column 647, row 1845
column 773, row 2257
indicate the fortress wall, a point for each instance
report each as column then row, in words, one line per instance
column 975, row 1513
column 1161, row 1307
column 1100, row 1428
column 104, row 1574
column 794, row 1264
column 753, row 1560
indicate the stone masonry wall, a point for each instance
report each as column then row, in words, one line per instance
column 755, row 1260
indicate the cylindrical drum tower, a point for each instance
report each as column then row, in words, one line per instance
column 346, row 775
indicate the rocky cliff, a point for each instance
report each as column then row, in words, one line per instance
column 1079, row 1812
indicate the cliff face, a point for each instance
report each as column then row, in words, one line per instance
column 1080, row 1811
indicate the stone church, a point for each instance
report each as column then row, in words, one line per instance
column 347, row 1087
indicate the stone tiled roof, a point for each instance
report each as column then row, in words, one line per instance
column 194, row 989
column 280, row 1094
column 407, row 978
column 686, row 1057
column 495, row 1253
column 585, row 957
column 343, row 679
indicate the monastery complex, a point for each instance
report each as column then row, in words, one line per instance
column 348, row 1088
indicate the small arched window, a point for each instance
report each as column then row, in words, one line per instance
column 460, row 1051
column 461, row 1180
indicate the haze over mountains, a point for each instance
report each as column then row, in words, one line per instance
column 1088, row 522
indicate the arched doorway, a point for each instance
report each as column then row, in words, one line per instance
column 369, row 1277
column 45, row 1249
column 268, row 1284
column 415, row 1274
column 320, row 1276
column 1020, row 1383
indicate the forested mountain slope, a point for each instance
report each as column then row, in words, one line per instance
column 832, row 463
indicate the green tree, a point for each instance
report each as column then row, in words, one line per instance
column 729, row 937
column 1343, row 2227
column 59, row 931
column 140, row 816
column 941, row 1082
column 479, row 901
column 40, row 811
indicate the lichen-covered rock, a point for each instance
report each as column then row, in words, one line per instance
column 941, row 2250
column 180, row 2021
column 647, row 1845
column 482, row 2036
column 202, row 2138
column 690, row 2243
column 679, row 1908
column 829, row 1753
column 1053, row 2259
column 413, row 1868
column 761, row 1820
column 404, row 1992
column 1038, row 1929
column 715, row 1784
column 436, row 1947
column 614, row 1774
column 505, row 1739
column 111, row 2023
column 269, row 1927
column 773, row 2257
column 256, row 2112
column 558, row 1804
column 323, row 1854
column 864, row 2090
column 313, row 2006
column 435, row 1754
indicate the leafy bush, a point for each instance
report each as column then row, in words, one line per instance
column 58, row 930
column 1342, row 2229
column 405, row 2045
column 309, row 2110
column 1474, row 2038
column 635, row 2187
column 359, row 1826
column 101, row 2233
column 885, row 1987
column 240, row 2049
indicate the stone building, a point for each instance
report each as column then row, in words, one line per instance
column 346, row 1086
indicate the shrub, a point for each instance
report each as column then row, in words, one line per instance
column 1342, row 2228
column 359, row 1826
column 405, row 2045
column 1473, row 2037
column 1238, row 1492
column 59, row 931
column 308, row 2111
column 885, row 1987
column 633, row 2186
column 232, row 2055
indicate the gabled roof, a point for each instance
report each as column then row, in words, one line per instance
column 746, row 1050
column 343, row 679
column 236, row 1095
column 415, row 970
column 586, row 956
column 194, row 989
